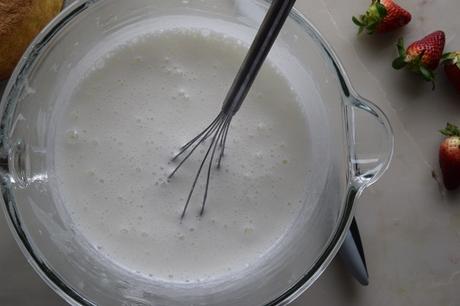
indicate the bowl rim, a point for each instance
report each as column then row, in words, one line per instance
column 51, row 277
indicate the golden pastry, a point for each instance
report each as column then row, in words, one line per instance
column 20, row 22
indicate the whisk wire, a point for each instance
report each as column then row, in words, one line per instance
column 195, row 142
column 216, row 131
column 188, row 144
column 215, row 143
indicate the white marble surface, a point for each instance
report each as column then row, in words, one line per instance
column 410, row 225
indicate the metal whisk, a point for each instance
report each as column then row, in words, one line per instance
column 218, row 129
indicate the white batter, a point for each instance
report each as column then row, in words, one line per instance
column 123, row 122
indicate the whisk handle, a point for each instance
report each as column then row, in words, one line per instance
column 265, row 37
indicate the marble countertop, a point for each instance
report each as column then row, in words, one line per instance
column 409, row 224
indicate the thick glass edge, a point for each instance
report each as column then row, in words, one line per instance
column 7, row 108
column 373, row 110
column 329, row 252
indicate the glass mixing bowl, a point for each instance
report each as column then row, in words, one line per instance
column 351, row 141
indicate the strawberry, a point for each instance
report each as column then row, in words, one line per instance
column 382, row 16
column 422, row 56
column 449, row 156
column 451, row 62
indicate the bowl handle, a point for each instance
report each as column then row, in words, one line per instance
column 370, row 141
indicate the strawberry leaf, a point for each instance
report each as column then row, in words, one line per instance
column 357, row 21
column 450, row 130
column 382, row 11
column 451, row 58
column 401, row 48
column 371, row 18
column 399, row 63
column 448, row 56
column 428, row 75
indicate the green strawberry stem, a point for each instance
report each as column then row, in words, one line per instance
column 371, row 19
column 451, row 130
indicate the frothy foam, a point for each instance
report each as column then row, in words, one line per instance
column 130, row 113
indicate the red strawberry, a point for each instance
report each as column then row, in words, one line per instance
column 382, row 16
column 452, row 68
column 422, row 56
column 449, row 156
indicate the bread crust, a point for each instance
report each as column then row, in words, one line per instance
column 20, row 22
